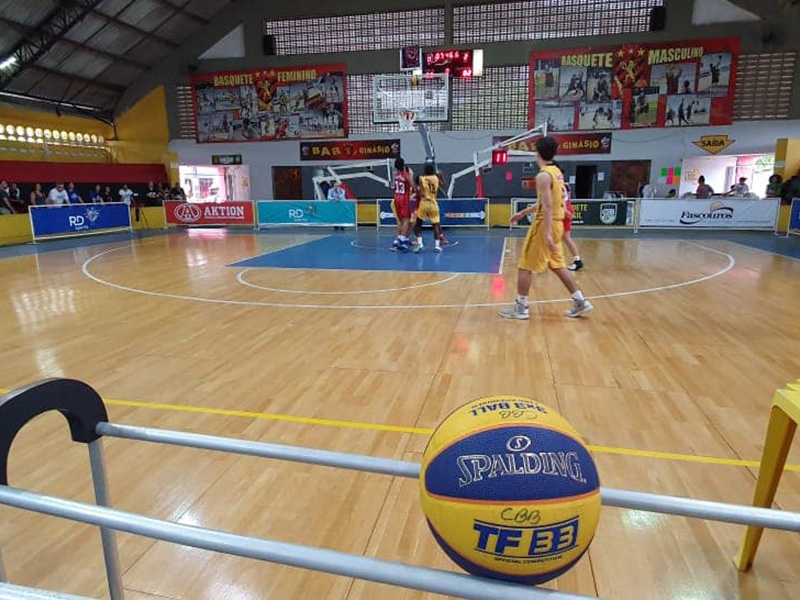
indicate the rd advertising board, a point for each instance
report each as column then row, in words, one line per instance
column 709, row 214
column 78, row 219
column 195, row 214
column 280, row 213
column 452, row 213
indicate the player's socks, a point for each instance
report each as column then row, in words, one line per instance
column 437, row 246
column 578, row 296
column 523, row 300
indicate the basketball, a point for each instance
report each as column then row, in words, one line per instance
column 510, row 490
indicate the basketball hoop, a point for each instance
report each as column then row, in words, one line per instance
column 407, row 120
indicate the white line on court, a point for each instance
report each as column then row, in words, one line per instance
column 355, row 244
column 87, row 273
column 240, row 278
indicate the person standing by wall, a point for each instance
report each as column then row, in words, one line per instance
column 336, row 194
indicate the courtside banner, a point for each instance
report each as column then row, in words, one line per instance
column 709, row 214
column 280, row 213
column 595, row 213
column 573, row 143
column 453, row 213
column 78, row 219
column 194, row 214
column 794, row 215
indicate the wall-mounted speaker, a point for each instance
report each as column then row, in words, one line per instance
column 268, row 42
column 658, row 18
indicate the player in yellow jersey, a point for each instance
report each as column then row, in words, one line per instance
column 428, row 207
column 542, row 247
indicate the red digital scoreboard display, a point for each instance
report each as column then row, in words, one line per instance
column 458, row 63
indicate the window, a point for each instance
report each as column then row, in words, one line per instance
column 764, row 86
column 353, row 33
column 544, row 19
column 498, row 100
column 185, row 109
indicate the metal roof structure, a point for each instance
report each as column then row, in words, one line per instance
column 84, row 54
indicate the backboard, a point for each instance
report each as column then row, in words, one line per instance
column 426, row 95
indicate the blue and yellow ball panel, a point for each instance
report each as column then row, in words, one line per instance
column 510, row 490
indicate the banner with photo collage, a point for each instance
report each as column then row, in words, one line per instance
column 631, row 86
column 288, row 103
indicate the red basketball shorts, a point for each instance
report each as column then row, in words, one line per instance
column 402, row 207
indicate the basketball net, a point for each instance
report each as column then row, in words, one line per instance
column 407, row 120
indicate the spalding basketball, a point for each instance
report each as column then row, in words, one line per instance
column 510, row 490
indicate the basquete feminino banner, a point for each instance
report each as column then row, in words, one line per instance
column 276, row 103
column 77, row 219
column 709, row 214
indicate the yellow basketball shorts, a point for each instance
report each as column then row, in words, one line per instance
column 428, row 211
column 536, row 255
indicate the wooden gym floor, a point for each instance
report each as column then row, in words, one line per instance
column 670, row 379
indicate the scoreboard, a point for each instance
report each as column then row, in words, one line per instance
column 457, row 63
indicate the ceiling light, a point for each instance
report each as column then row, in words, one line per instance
column 8, row 62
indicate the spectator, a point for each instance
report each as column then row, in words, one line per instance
column 17, row 201
column 336, row 194
column 58, row 195
column 790, row 189
column 5, row 199
column 178, row 193
column 74, row 196
column 125, row 194
column 673, row 193
column 703, row 191
column 37, row 195
column 96, row 195
column 107, row 195
column 152, row 195
column 774, row 186
column 739, row 189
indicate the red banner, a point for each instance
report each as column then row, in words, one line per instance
column 569, row 144
column 287, row 103
column 670, row 84
column 351, row 150
column 225, row 213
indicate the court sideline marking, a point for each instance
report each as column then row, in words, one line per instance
column 245, row 414
column 90, row 260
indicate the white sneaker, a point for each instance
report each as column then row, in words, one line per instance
column 579, row 307
column 418, row 248
column 518, row 311
column 437, row 248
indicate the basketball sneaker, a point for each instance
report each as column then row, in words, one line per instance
column 579, row 307
column 576, row 265
column 518, row 311
column 418, row 248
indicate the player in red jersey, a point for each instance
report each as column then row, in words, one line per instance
column 569, row 214
column 403, row 186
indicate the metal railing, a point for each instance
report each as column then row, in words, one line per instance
column 88, row 422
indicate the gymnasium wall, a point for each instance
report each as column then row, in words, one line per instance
column 664, row 147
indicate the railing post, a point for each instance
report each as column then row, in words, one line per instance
column 107, row 536
column 83, row 409
column 3, row 578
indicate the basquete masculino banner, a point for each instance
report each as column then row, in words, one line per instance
column 670, row 84
column 608, row 213
column 192, row 214
column 452, row 213
column 289, row 212
column 709, row 214
column 78, row 218
column 288, row 103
